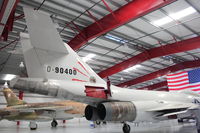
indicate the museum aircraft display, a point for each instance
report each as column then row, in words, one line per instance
column 56, row 70
column 36, row 112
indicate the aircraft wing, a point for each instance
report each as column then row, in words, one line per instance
column 50, row 108
column 168, row 109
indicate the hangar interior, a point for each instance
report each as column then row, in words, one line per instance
column 135, row 51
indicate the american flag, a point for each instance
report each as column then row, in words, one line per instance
column 184, row 80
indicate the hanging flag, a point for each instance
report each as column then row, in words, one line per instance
column 184, row 80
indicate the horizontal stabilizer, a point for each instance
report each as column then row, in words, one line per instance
column 175, row 113
column 174, row 106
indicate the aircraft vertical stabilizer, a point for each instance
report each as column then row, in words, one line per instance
column 46, row 56
column 11, row 98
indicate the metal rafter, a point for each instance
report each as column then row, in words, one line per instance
column 154, row 86
column 162, row 72
column 168, row 49
column 122, row 15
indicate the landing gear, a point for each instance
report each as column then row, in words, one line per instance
column 104, row 122
column 98, row 122
column 180, row 120
column 197, row 116
column 54, row 123
column 126, row 128
column 33, row 125
column 198, row 125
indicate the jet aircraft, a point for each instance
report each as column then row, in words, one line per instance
column 55, row 69
column 20, row 110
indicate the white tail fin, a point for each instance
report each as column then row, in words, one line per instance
column 46, row 56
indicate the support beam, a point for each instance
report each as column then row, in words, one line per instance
column 168, row 49
column 3, row 8
column 154, row 86
column 126, row 13
column 9, row 22
column 162, row 72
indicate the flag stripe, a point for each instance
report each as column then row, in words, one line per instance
column 178, row 80
column 177, row 74
column 178, row 83
column 182, row 76
column 198, row 89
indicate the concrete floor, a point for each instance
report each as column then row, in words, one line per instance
column 83, row 126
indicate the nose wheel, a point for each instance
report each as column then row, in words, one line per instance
column 33, row 125
column 126, row 128
column 54, row 123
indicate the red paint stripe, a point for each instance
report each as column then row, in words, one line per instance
column 169, row 82
column 80, row 72
column 83, row 67
column 177, row 77
column 79, row 80
column 3, row 8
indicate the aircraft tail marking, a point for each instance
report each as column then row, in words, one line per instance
column 11, row 98
column 46, row 56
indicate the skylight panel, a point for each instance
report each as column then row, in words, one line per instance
column 183, row 13
column 174, row 16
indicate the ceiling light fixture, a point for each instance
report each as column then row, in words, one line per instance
column 88, row 57
column 162, row 21
column 132, row 68
column 9, row 77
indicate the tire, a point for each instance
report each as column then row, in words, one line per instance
column 98, row 122
column 126, row 128
column 54, row 123
column 180, row 120
column 33, row 128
